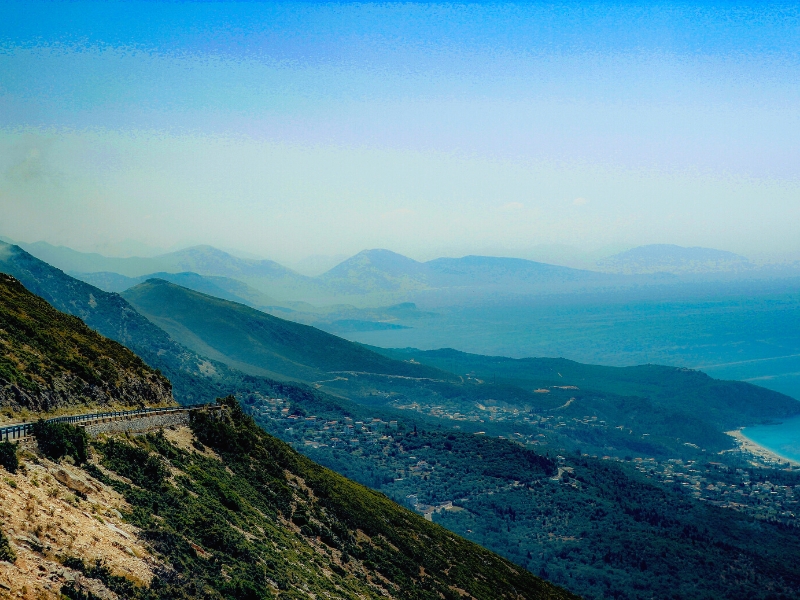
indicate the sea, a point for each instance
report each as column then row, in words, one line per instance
column 753, row 337
column 783, row 439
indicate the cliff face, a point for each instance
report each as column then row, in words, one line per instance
column 50, row 360
column 68, row 390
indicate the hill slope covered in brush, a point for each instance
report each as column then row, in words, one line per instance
column 49, row 359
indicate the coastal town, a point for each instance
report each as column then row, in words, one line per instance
column 741, row 479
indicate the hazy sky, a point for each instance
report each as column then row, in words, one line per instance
column 292, row 129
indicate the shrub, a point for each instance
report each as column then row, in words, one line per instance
column 8, row 456
column 57, row 440
column 6, row 552
column 137, row 464
column 123, row 587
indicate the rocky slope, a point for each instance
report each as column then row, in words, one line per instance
column 50, row 360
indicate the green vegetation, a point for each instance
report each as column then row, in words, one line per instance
column 6, row 552
column 267, row 522
column 194, row 379
column 50, row 356
column 71, row 592
column 671, row 406
column 57, row 440
column 725, row 404
column 8, row 456
column 40, row 343
column 510, row 500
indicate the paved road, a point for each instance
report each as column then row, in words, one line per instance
column 21, row 430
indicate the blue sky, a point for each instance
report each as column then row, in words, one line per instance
column 291, row 129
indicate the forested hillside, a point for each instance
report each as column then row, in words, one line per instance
column 600, row 528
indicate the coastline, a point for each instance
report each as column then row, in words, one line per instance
column 764, row 454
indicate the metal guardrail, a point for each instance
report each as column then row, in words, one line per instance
column 21, row 430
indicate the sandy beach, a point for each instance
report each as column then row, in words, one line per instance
column 763, row 454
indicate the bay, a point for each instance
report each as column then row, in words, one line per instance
column 783, row 439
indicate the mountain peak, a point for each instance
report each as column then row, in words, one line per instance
column 376, row 270
column 384, row 258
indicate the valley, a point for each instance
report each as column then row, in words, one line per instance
column 739, row 480
column 209, row 506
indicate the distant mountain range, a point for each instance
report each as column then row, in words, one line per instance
column 370, row 278
column 203, row 260
column 669, row 258
column 203, row 344
column 380, row 277
column 221, row 287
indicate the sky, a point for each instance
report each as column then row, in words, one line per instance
column 288, row 130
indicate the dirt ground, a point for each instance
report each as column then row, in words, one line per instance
column 44, row 516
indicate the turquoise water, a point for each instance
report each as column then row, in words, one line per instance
column 783, row 439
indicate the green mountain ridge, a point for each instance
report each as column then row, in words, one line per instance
column 725, row 404
column 254, row 341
